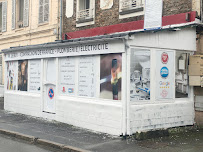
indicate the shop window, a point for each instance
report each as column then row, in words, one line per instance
column 85, row 11
column 22, row 75
column 43, row 11
column 181, row 75
column 67, row 74
column 3, row 16
column 110, row 76
column 131, row 6
column 34, row 76
column 11, row 75
column 20, row 13
column 140, row 75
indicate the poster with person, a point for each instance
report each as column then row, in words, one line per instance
column 110, row 76
column 22, row 75
column 12, row 75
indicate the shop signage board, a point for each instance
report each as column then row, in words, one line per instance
column 69, row 50
column 165, row 75
column 153, row 14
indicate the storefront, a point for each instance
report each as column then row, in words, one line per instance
column 118, row 85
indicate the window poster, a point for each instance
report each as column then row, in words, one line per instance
column 165, row 75
column 22, row 75
column 35, row 75
column 67, row 76
column 12, row 75
column 87, row 76
column 110, row 76
column 140, row 75
column 181, row 74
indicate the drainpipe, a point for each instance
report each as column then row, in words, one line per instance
column 201, row 14
column 61, row 17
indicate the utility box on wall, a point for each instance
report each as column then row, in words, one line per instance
column 196, row 70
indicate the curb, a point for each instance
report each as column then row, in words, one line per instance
column 41, row 142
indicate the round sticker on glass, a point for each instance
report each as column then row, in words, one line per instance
column 164, row 72
column 164, row 57
column 51, row 93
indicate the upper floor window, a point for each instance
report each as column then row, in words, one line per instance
column 3, row 16
column 131, row 6
column 20, row 13
column 43, row 11
column 85, row 11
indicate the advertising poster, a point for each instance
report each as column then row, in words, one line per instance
column 165, row 75
column 35, row 75
column 87, row 76
column 67, row 76
column 12, row 75
column 22, row 75
column 110, row 76
column 140, row 75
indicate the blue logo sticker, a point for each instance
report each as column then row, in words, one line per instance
column 164, row 72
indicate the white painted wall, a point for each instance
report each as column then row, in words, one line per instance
column 161, row 115
column 97, row 115
column 23, row 102
column 182, row 39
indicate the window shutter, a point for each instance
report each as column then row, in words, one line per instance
column 13, row 14
column 4, row 16
column 26, row 13
column 46, row 10
column 41, row 12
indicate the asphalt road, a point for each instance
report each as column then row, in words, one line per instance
column 9, row 145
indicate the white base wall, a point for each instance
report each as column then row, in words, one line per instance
column 104, row 116
column 25, row 103
column 101, row 116
column 147, row 117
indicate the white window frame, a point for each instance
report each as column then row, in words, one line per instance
column 128, row 8
column 4, row 16
column 16, row 22
column 87, row 15
column 44, row 4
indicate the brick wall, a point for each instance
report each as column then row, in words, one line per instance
column 111, row 16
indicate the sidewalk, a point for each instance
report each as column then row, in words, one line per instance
column 63, row 134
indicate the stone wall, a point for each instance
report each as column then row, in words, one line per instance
column 111, row 16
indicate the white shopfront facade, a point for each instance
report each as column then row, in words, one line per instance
column 118, row 85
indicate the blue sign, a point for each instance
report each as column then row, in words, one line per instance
column 51, row 93
column 164, row 72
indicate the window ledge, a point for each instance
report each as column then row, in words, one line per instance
column 132, row 10
column 19, row 29
column 84, row 20
column 43, row 24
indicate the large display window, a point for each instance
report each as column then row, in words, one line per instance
column 22, row 75
column 67, row 75
column 181, row 74
column 12, row 75
column 34, row 76
column 139, row 75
